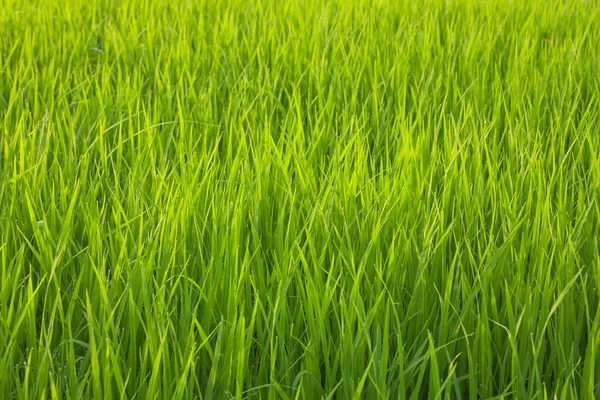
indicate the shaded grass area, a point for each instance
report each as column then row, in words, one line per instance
column 295, row 199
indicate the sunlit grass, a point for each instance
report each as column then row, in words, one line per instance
column 299, row 199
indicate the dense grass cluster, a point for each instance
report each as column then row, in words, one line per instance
column 299, row 199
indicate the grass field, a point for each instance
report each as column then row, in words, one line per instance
column 289, row 199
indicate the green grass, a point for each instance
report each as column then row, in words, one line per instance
column 289, row 199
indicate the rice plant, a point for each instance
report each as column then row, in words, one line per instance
column 294, row 199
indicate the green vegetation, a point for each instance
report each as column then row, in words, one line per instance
column 299, row 199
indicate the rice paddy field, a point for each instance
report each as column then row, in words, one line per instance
column 294, row 199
